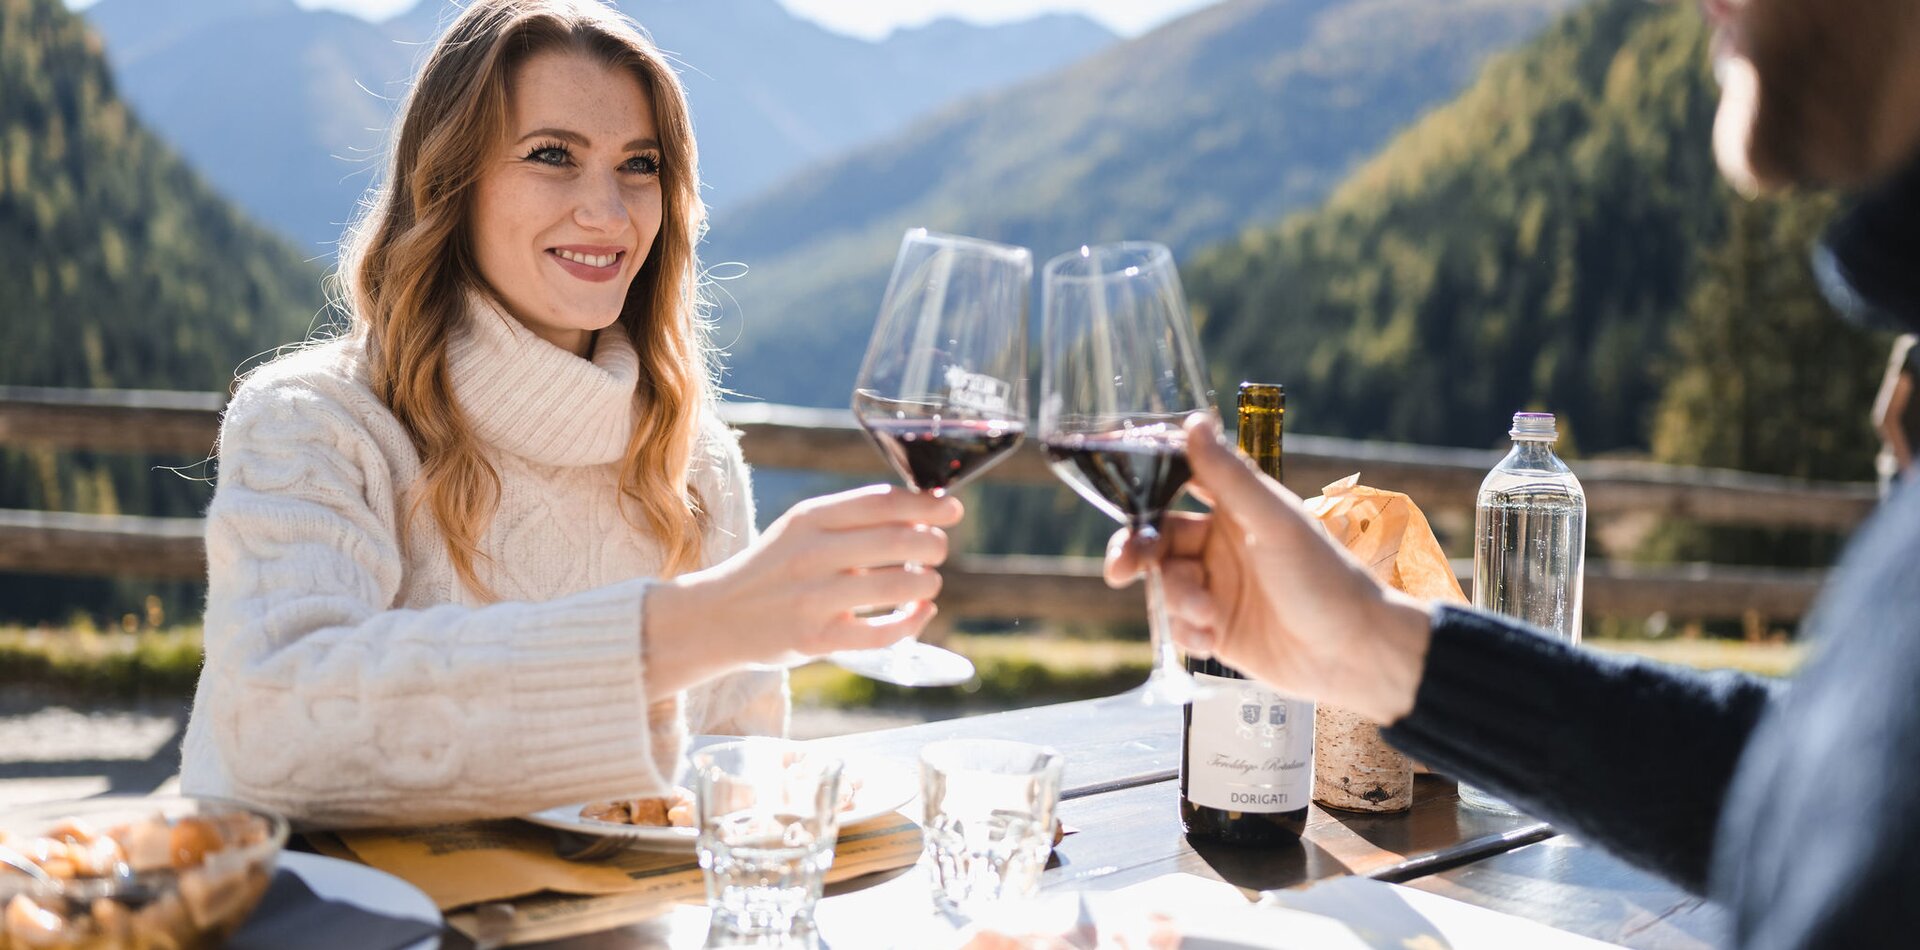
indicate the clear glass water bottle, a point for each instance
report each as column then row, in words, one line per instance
column 1530, row 543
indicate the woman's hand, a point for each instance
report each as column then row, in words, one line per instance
column 1258, row 583
column 797, row 591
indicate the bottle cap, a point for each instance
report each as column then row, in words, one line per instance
column 1263, row 395
column 1534, row 427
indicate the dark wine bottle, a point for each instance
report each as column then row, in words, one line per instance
column 1246, row 763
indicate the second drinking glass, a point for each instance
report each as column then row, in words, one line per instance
column 1120, row 375
column 768, row 813
column 943, row 393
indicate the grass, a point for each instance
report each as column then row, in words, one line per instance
column 112, row 663
column 1015, row 670
column 1020, row 671
column 1762, row 658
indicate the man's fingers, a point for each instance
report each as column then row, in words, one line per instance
column 1183, row 534
column 1194, row 639
column 1123, row 564
column 1184, row 581
column 1226, row 475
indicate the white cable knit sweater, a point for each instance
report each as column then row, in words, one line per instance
column 351, row 680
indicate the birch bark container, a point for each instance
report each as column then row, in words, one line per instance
column 1354, row 768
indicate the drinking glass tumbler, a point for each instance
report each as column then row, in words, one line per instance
column 989, row 818
column 768, row 813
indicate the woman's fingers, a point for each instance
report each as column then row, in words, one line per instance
column 848, row 632
column 882, row 587
column 879, row 546
column 877, row 505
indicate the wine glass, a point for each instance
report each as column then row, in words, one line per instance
column 1120, row 374
column 943, row 393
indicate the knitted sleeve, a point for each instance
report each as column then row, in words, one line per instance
column 323, row 701
column 1633, row 755
column 745, row 702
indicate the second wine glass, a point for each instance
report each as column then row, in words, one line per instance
column 943, row 393
column 1120, row 374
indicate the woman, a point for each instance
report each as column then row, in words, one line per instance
column 492, row 550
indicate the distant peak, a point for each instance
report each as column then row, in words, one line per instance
column 949, row 26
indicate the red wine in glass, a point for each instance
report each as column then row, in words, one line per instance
column 942, row 393
column 942, row 454
column 1120, row 373
column 1133, row 475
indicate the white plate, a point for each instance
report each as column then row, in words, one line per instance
column 366, row 888
column 885, row 785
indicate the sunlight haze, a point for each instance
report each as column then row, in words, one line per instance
column 874, row 19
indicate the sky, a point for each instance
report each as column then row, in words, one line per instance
column 875, row 18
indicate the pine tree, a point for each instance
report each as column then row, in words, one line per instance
column 1765, row 378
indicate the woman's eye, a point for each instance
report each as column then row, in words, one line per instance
column 549, row 155
column 644, row 165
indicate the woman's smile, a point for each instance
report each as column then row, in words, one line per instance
column 596, row 263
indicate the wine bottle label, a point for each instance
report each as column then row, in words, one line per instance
column 1250, row 749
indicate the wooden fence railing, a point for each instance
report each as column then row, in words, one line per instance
column 819, row 440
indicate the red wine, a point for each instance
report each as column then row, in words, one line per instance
column 1131, row 475
column 941, row 454
column 1246, row 752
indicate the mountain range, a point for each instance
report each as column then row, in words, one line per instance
column 1224, row 119
column 286, row 108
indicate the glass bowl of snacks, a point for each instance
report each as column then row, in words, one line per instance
column 133, row 872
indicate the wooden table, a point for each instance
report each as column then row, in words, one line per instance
column 1121, row 793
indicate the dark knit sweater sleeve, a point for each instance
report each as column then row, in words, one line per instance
column 1633, row 755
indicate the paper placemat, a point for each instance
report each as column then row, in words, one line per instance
column 1346, row 913
column 494, row 862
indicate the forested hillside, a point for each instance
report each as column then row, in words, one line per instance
column 1539, row 243
column 119, row 267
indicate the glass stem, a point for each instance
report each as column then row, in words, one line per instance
column 1159, row 626
column 904, row 643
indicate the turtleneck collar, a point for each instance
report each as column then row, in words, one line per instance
column 526, row 397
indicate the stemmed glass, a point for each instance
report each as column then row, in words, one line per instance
column 1120, row 374
column 943, row 393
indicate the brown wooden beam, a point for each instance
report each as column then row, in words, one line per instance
column 58, row 542
column 827, row 440
column 1058, row 589
column 120, row 420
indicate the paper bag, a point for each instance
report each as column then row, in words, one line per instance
column 1354, row 768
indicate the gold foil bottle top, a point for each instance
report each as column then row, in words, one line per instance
column 1263, row 411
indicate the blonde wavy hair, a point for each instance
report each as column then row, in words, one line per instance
column 408, row 264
